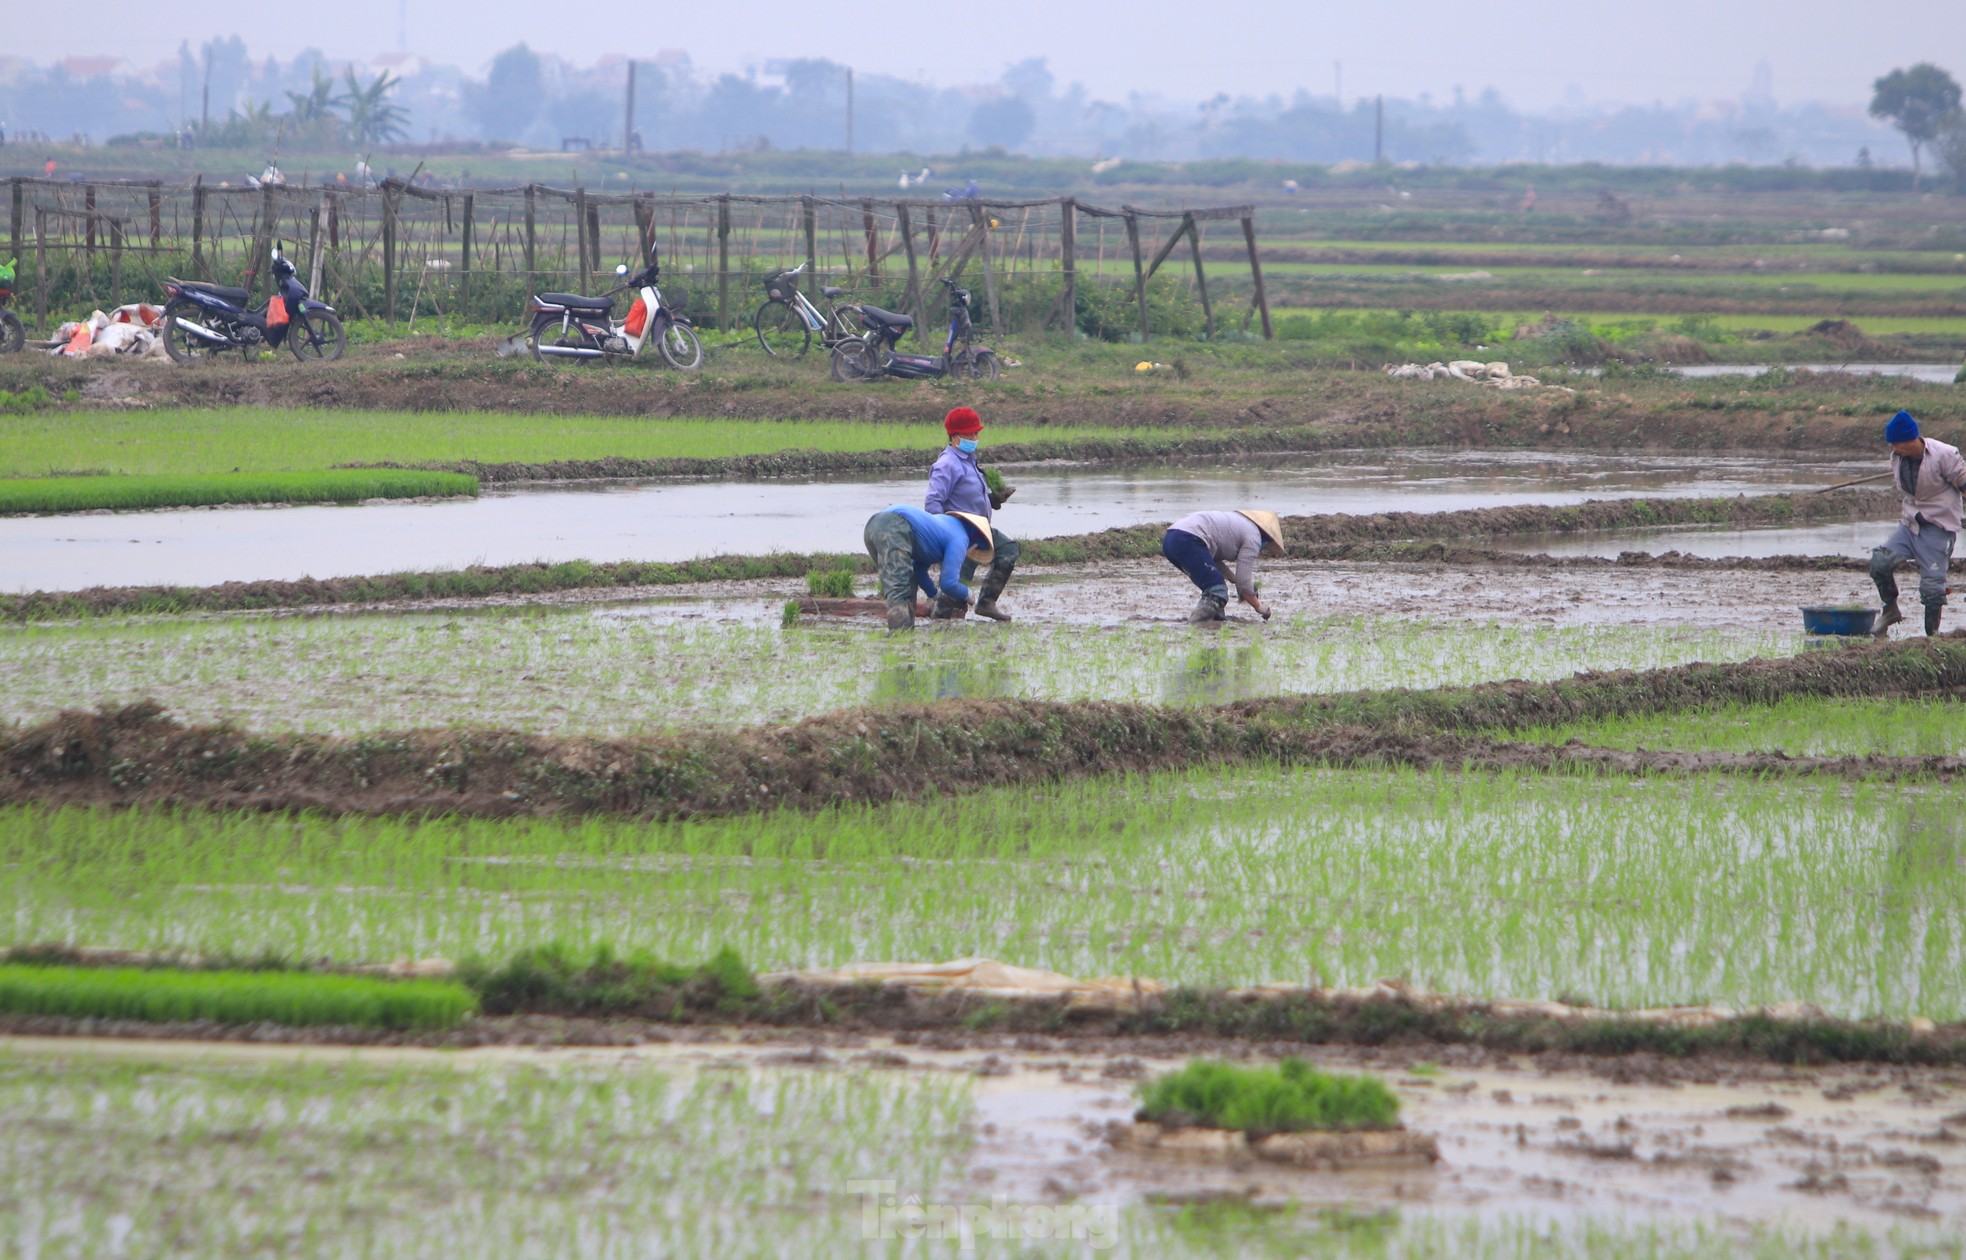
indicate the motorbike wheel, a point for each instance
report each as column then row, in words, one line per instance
column 13, row 337
column 185, row 347
column 532, row 346
column 853, row 360
column 781, row 331
column 980, row 366
column 679, row 347
column 317, row 337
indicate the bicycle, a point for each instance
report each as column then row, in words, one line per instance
column 788, row 319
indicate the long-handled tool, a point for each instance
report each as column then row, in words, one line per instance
column 1845, row 485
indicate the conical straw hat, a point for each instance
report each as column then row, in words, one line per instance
column 988, row 551
column 1267, row 522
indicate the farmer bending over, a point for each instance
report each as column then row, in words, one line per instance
column 956, row 484
column 905, row 541
column 1929, row 475
column 1200, row 541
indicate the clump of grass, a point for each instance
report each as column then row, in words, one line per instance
column 830, row 583
column 232, row 997
column 81, row 494
column 555, row 979
column 1288, row 1098
column 788, row 617
column 18, row 402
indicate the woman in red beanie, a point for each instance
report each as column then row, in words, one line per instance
column 956, row 484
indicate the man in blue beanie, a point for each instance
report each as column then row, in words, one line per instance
column 1930, row 476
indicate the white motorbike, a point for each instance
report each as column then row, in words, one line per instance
column 570, row 326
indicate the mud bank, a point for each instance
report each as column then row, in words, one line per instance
column 138, row 756
column 1315, row 537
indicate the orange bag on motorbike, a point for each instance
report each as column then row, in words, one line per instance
column 638, row 318
column 276, row 312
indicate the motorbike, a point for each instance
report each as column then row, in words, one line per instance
column 12, row 336
column 873, row 356
column 203, row 320
column 570, row 326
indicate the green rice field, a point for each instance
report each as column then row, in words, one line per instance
column 183, row 441
column 1623, row 892
column 606, row 673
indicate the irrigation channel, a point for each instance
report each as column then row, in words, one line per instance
column 671, row 521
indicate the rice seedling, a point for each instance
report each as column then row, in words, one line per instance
column 189, row 441
column 1798, row 725
column 1622, row 892
column 236, row 1157
column 82, row 494
column 591, row 672
column 1290, row 1097
column 231, row 997
column 830, row 584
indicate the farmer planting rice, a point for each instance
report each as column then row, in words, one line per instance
column 905, row 541
column 1929, row 475
column 956, row 484
column 1200, row 544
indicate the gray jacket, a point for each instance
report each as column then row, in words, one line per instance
column 1941, row 476
column 1232, row 539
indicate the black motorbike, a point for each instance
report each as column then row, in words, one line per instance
column 873, row 356
column 202, row 320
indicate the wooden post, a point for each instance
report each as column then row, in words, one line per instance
column 198, row 268
column 314, row 251
column 812, row 242
column 464, row 234
column 19, row 215
column 644, row 226
column 1068, row 245
column 156, row 213
column 41, row 268
column 388, row 255
column 334, row 221
column 873, row 240
column 1139, row 273
column 723, row 263
column 89, row 223
column 115, row 263
column 912, row 299
column 532, row 237
column 260, row 263
column 579, row 237
column 594, row 238
column 1256, row 271
column 1201, row 281
column 981, row 217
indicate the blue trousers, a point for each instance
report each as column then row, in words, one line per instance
column 1190, row 555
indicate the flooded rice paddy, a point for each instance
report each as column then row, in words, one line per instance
column 684, row 520
column 575, row 1151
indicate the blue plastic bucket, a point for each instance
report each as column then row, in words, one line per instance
column 1826, row 619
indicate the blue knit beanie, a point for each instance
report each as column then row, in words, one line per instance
column 1902, row 428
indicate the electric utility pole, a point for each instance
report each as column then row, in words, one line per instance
column 849, row 110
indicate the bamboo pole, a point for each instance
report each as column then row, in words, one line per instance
column 1201, row 281
column 723, row 263
column 912, row 299
column 1845, row 485
column 1139, row 273
column 532, row 236
column 812, row 242
column 41, row 269
column 1256, row 270
column 18, row 218
column 1068, row 298
column 465, row 233
column 198, row 269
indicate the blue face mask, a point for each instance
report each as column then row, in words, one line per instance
column 966, row 445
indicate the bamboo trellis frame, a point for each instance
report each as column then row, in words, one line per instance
column 376, row 251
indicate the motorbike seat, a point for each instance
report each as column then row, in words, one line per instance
column 876, row 317
column 831, row 292
column 223, row 293
column 576, row 302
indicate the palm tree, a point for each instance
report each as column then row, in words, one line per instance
column 372, row 117
column 319, row 101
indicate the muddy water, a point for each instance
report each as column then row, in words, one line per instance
column 681, row 521
column 1852, row 538
column 1931, row 373
column 1725, row 1144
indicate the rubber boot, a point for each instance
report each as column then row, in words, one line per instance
column 1932, row 613
column 1886, row 619
column 901, row 616
column 947, row 609
column 986, row 602
column 1209, row 609
column 1881, row 564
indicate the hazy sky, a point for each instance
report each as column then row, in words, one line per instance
column 1534, row 51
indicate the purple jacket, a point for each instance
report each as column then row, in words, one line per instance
column 956, row 484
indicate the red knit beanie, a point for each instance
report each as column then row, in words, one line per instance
column 962, row 422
